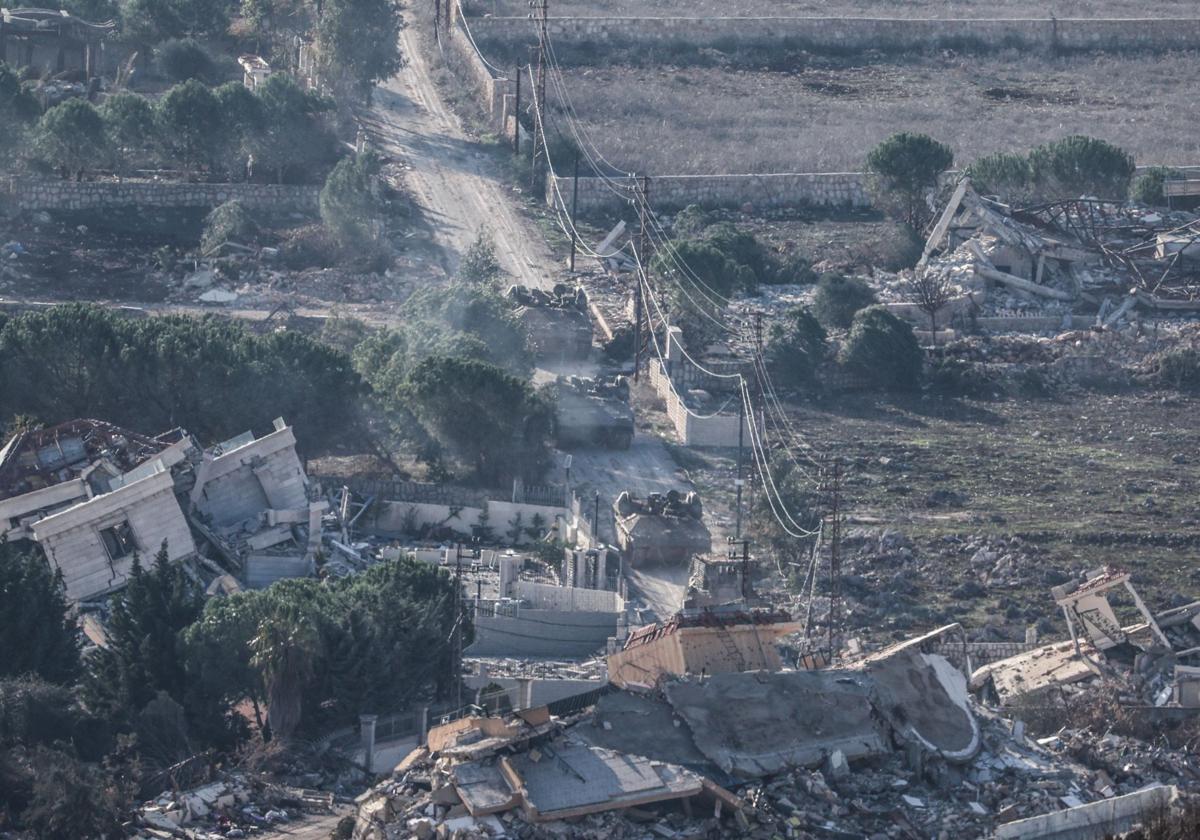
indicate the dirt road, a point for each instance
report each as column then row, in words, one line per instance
column 453, row 180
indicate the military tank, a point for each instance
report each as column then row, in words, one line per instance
column 558, row 321
column 593, row 412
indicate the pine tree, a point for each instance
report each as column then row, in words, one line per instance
column 37, row 632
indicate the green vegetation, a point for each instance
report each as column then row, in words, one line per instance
column 37, row 633
column 184, row 59
column 229, row 222
column 359, row 38
column 1147, row 188
column 129, row 129
column 839, row 298
column 486, row 417
column 882, row 349
column 904, row 168
column 153, row 374
column 350, row 204
column 18, row 108
column 70, row 136
column 797, row 348
column 1069, row 168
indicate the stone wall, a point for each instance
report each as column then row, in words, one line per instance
column 827, row 34
column 46, row 194
column 789, row 189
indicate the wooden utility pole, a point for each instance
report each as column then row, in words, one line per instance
column 738, row 482
column 517, row 115
column 437, row 20
column 643, row 260
column 835, row 560
column 541, row 11
column 458, row 620
column 574, row 210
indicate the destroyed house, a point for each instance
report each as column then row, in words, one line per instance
column 52, row 41
column 92, row 496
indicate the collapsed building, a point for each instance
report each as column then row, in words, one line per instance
column 52, row 42
column 558, row 321
column 1155, row 660
column 662, row 528
column 1062, row 259
column 93, row 496
column 592, row 412
column 889, row 744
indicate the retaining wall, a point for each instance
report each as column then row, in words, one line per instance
column 787, row 189
column 548, row 633
column 35, row 194
column 400, row 519
column 829, row 34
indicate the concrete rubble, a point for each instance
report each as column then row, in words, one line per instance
column 93, row 497
column 886, row 745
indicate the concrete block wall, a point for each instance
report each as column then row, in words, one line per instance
column 786, row 189
column 34, row 194
column 391, row 519
column 549, row 633
column 832, row 34
column 570, row 598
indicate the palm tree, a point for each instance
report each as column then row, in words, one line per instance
column 284, row 647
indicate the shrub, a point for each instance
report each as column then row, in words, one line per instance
column 129, row 126
column 228, row 222
column 904, row 167
column 189, row 119
column 1079, row 165
column 883, row 349
column 184, row 58
column 1148, row 188
column 350, row 205
column 1178, row 369
column 797, row 347
column 838, row 298
column 1006, row 175
column 793, row 267
column 960, row 378
column 690, row 221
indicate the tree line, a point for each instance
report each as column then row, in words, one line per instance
column 279, row 130
column 80, row 734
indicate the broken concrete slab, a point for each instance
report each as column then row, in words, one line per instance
column 631, row 723
column 570, row 779
column 784, row 719
column 482, row 787
column 1051, row 666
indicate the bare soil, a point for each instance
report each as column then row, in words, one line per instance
column 825, row 114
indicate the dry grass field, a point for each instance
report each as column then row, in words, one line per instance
column 825, row 114
column 842, row 8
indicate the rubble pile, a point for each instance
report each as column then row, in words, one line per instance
column 237, row 805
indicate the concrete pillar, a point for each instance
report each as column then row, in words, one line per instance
column 424, row 726
column 601, row 568
column 367, row 725
column 524, row 693
column 508, row 574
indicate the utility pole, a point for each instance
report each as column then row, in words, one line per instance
column 738, row 482
column 517, row 117
column 745, row 558
column 458, row 620
column 574, row 210
column 835, row 561
column 541, row 11
column 437, row 20
column 643, row 258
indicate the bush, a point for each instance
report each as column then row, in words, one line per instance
column 883, row 349
column 1005, row 175
column 797, row 347
column 185, row 58
column 1079, row 165
column 350, row 205
column 1178, row 369
column 228, row 222
column 839, row 298
column 960, row 378
column 1148, row 188
column 793, row 267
